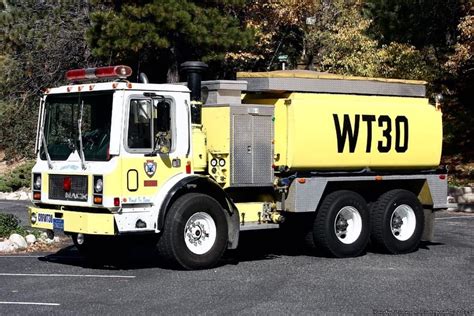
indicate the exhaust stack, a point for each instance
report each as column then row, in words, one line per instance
column 193, row 71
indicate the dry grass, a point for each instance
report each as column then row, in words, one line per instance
column 8, row 166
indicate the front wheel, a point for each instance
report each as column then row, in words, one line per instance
column 341, row 226
column 195, row 232
column 397, row 222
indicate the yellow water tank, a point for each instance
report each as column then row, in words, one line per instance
column 327, row 122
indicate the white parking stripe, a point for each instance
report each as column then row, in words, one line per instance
column 30, row 303
column 456, row 217
column 69, row 275
column 20, row 256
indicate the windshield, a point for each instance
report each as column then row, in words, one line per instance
column 61, row 127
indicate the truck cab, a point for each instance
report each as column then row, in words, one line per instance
column 109, row 147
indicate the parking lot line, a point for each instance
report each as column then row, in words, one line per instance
column 69, row 275
column 456, row 217
column 19, row 256
column 30, row 303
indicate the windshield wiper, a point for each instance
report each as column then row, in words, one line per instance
column 79, row 126
column 45, row 146
column 41, row 125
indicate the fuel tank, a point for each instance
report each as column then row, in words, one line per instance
column 328, row 122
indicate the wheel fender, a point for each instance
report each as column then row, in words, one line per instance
column 205, row 185
column 160, row 199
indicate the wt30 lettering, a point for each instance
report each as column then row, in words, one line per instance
column 349, row 132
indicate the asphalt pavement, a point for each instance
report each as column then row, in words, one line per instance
column 265, row 275
column 18, row 208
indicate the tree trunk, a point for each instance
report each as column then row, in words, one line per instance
column 172, row 75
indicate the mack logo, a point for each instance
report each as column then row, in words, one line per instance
column 75, row 196
column 350, row 132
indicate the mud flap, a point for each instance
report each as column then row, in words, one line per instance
column 428, row 232
column 233, row 224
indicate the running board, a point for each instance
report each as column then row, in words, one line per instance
column 257, row 226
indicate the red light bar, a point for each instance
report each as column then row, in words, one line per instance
column 117, row 72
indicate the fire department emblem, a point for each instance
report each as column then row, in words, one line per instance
column 150, row 168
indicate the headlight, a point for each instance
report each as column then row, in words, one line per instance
column 99, row 185
column 37, row 182
column 222, row 162
column 214, row 162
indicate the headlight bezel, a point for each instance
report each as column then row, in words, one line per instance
column 98, row 184
column 37, row 181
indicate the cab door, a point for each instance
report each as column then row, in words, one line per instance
column 148, row 141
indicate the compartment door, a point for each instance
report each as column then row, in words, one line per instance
column 252, row 149
column 241, row 159
column 262, row 149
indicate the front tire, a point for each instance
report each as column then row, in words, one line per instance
column 341, row 226
column 397, row 222
column 195, row 232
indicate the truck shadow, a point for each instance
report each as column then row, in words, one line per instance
column 137, row 254
column 253, row 246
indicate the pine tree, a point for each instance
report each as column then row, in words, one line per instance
column 158, row 35
column 41, row 40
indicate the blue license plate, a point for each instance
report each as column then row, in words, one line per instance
column 58, row 224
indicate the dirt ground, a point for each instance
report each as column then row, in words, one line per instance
column 7, row 166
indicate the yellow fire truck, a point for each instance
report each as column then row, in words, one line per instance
column 356, row 157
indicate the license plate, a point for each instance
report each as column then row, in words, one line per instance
column 58, row 224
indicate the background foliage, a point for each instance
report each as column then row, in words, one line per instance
column 39, row 41
column 159, row 35
column 424, row 39
column 10, row 224
column 19, row 177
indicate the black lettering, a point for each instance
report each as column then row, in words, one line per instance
column 401, row 148
column 369, row 119
column 386, row 133
column 347, row 132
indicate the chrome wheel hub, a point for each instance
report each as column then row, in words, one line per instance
column 403, row 222
column 200, row 233
column 348, row 225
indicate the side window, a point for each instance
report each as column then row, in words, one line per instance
column 149, row 125
column 139, row 124
column 162, row 125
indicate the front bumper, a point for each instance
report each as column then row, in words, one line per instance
column 73, row 222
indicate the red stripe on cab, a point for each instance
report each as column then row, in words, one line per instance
column 150, row 183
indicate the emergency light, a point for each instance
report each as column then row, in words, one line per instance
column 117, row 72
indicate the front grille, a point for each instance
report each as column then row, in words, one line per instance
column 77, row 192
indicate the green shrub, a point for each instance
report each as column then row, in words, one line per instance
column 3, row 185
column 10, row 224
column 17, row 178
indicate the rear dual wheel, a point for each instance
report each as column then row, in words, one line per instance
column 341, row 226
column 397, row 222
